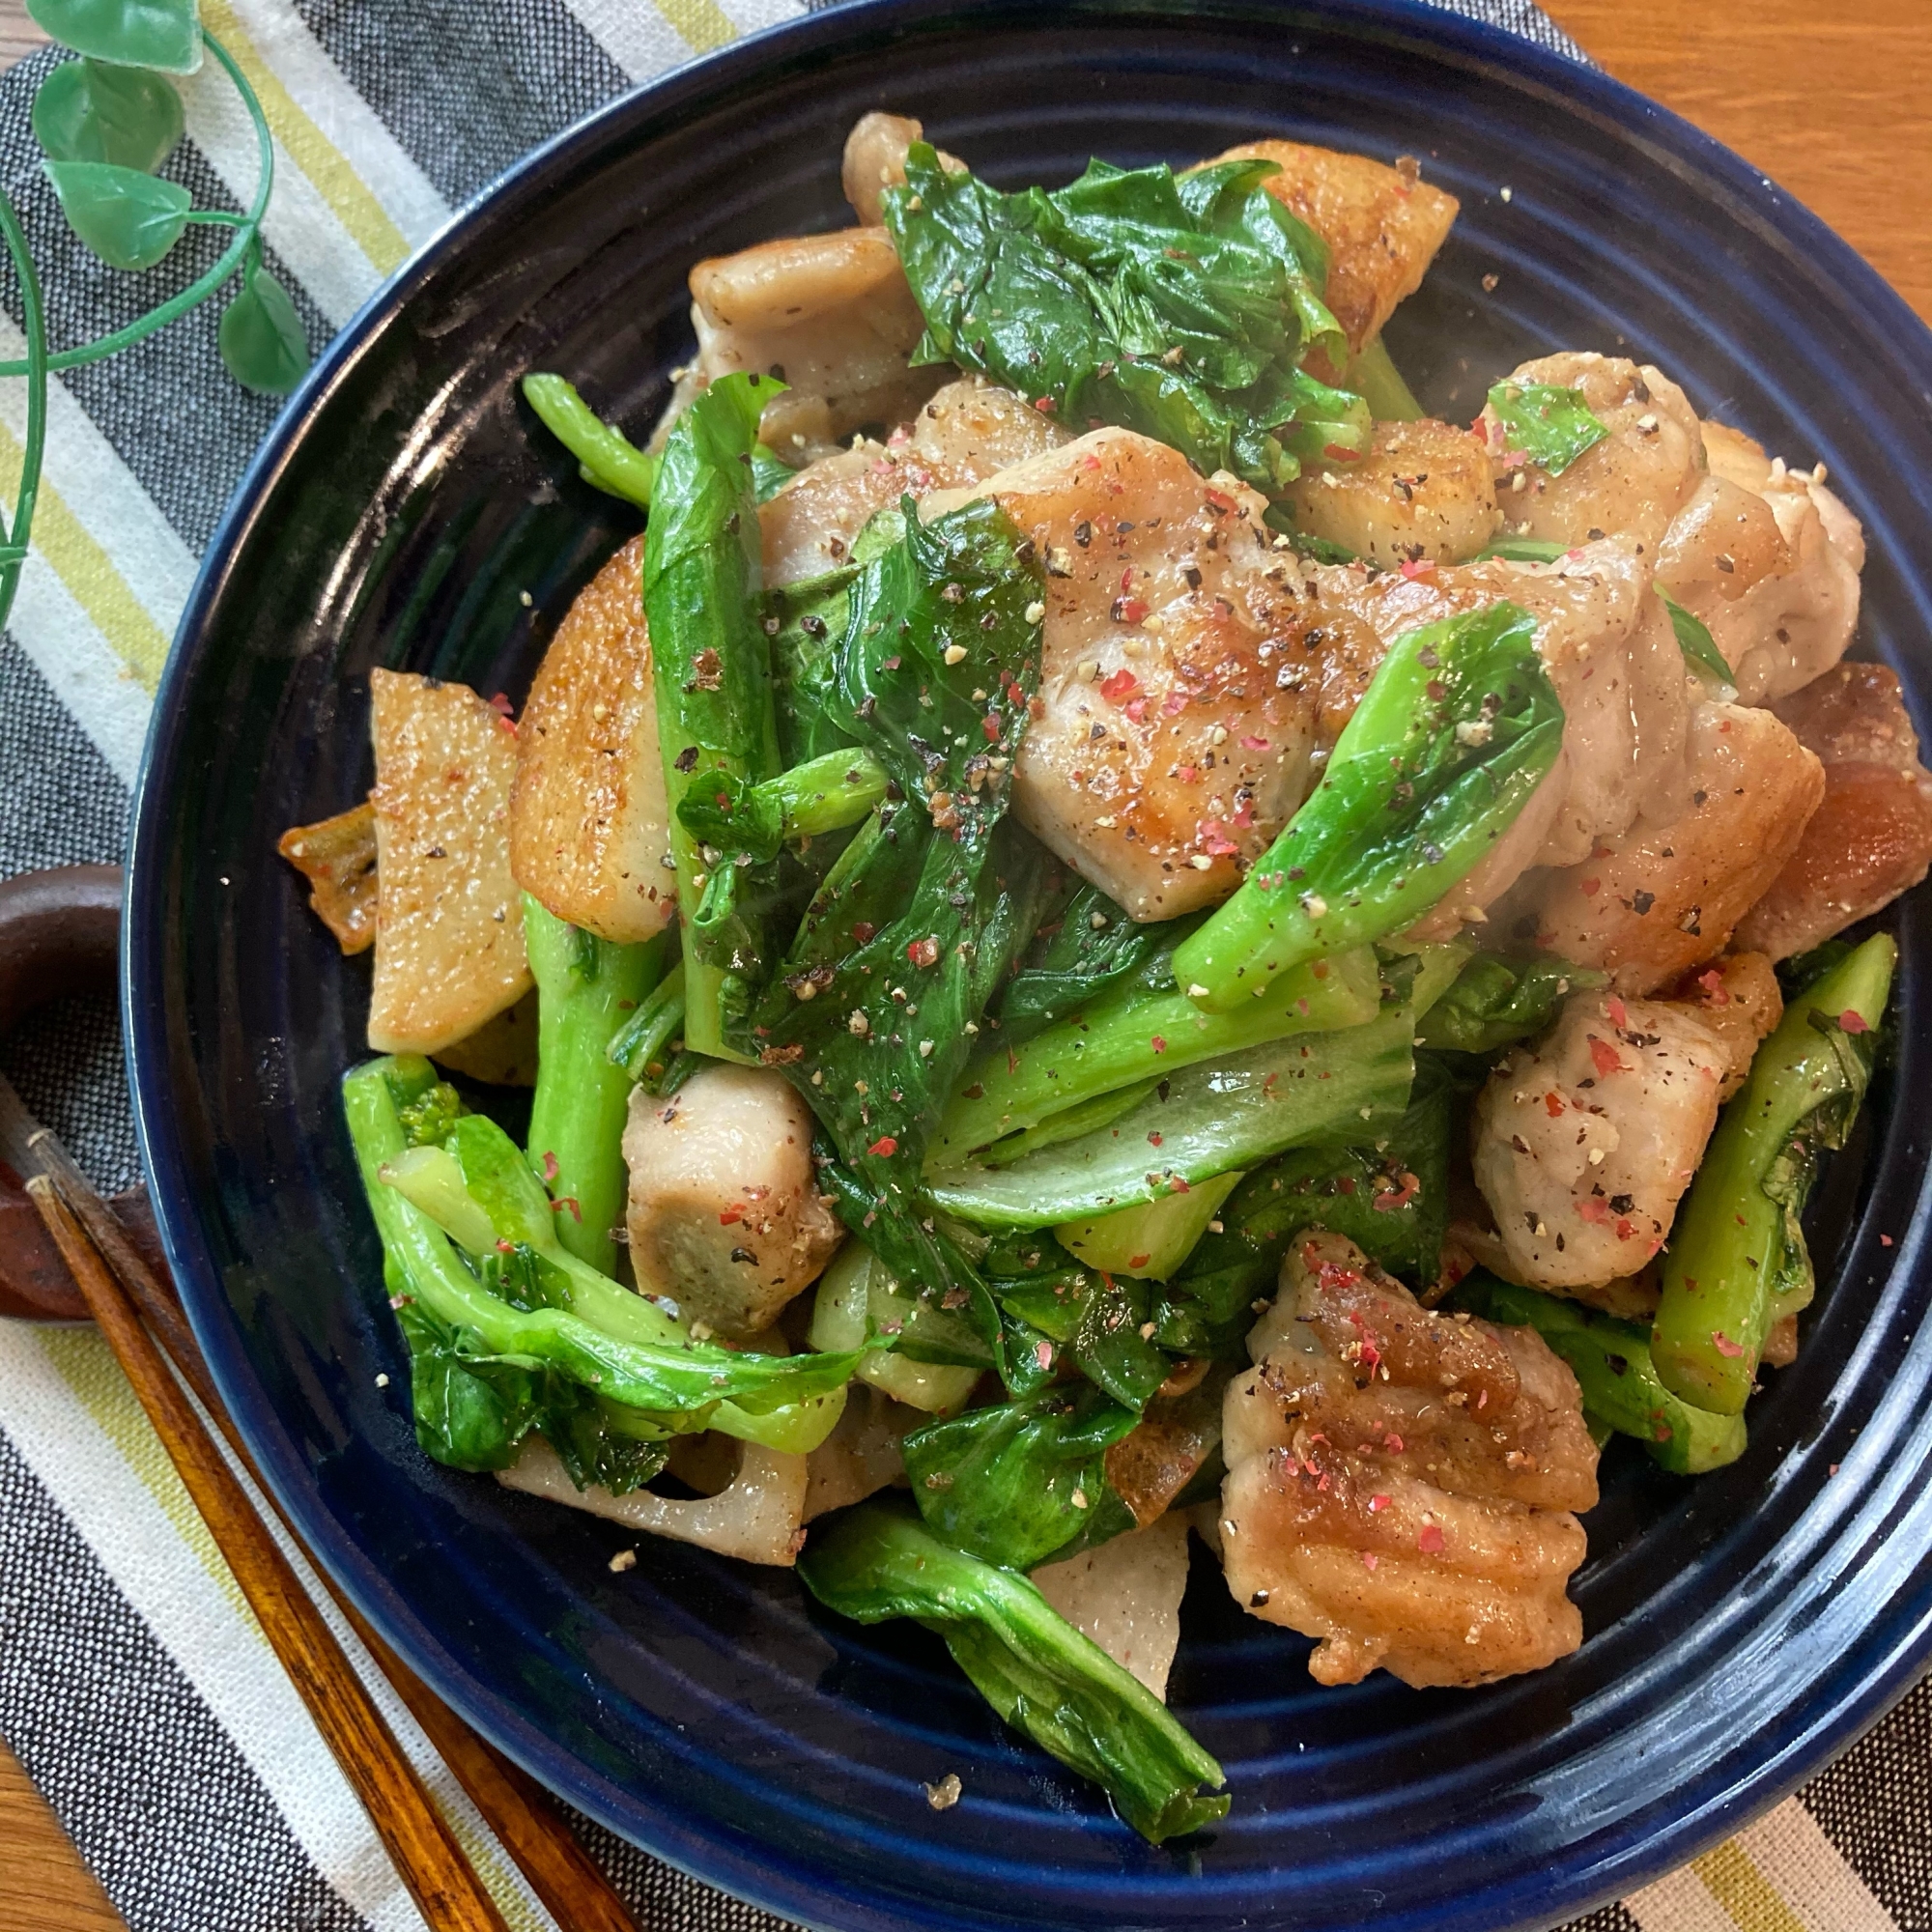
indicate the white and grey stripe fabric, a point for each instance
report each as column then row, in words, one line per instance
column 134, row 1685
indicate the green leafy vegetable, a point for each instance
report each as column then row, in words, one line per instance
column 262, row 340
column 1087, row 1317
column 128, row 218
column 1075, row 957
column 1022, row 1481
column 1737, row 1260
column 1211, row 1119
column 716, row 717
column 164, row 33
column 1552, row 427
column 869, row 1012
column 88, row 111
column 1695, row 641
column 939, row 1357
column 605, row 456
column 586, row 987
column 1149, row 1242
column 1456, row 728
column 1177, row 307
column 1496, row 1001
column 1390, row 1197
column 1034, row 1667
column 1613, row 1365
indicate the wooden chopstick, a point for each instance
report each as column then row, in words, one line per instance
column 513, row 1804
column 447, row 1892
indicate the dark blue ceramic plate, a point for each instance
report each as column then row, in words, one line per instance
column 1740, row 1628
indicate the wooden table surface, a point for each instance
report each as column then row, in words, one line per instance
column 1831, row 104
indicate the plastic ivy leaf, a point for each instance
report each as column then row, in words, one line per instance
column 88, row 111
column 164, row 33
column 261, row 337
column 129, row 219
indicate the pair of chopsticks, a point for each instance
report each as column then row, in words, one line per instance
column 127, row 1301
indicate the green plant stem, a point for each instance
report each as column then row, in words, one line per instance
column 14, row 555
column 202, row 286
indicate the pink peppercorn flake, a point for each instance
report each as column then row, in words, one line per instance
column 1158, row 1044
column 1724, row 1345
column 1603, row 1057
column 1619, row 1013
column 1378, row 1503
column 549, row 1165
column 1120, row 686
column 885, row 1146
column 923, row 951
column 1851, row 1020
column 1429, row 1540
column 1370, row 1559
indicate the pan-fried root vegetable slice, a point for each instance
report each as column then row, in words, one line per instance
column 502, row 1052
column 337, row 857
column 1126, row 1596
column 588, row 830
column 759, row 1517
column 861, row 1456
column 449, row 928
column 1382, row 226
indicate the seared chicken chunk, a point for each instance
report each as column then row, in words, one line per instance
column 1382, row 226
column 590, row 832
column 1738, row 999
column 724, row 1216
column 1608, row 647
column 832, row 316
column 1770, row 560
column 1666, row 896
column 1871, row 838
column 1424, row 491
column 1632, row 483
column 1178, row 707
column 1399, row 1483
column 1584, row 1142
column 449, row 925
column 970, row 430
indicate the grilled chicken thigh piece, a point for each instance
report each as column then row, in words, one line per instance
column 725, row 1215
column 1666, row 896
column 1871, row 838
column 1770, row 560
column 1183, row 682
column 832, row 316
column 1402, row 1484
column 969, row 430
column 1584, row 1143
column 1629, row 485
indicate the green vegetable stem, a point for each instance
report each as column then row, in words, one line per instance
column 1612, row 1364
column 605, row 456
column 716, row 717
column 1455, row 730
column 829, row 792
column 1180, row 307
column 1040, row 1674
column 1737, row 1260
column 586, row 990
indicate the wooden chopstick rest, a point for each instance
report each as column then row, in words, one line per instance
column 518, row 1809
column 447, row 1892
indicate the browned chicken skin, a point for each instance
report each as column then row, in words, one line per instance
column 1400, row 1484
column 1871, row 838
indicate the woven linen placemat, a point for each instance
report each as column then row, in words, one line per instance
column 134, row 1686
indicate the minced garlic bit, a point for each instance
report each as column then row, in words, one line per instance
column 943, row 1795
column 1035, row 611
column 625, row 1559
column 956, row 654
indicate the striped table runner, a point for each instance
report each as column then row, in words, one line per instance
column 134, row 1685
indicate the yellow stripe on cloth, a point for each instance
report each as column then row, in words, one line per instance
column 702, row 24
column 348, row 195
column 1744, row 1891
column 87, row 572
